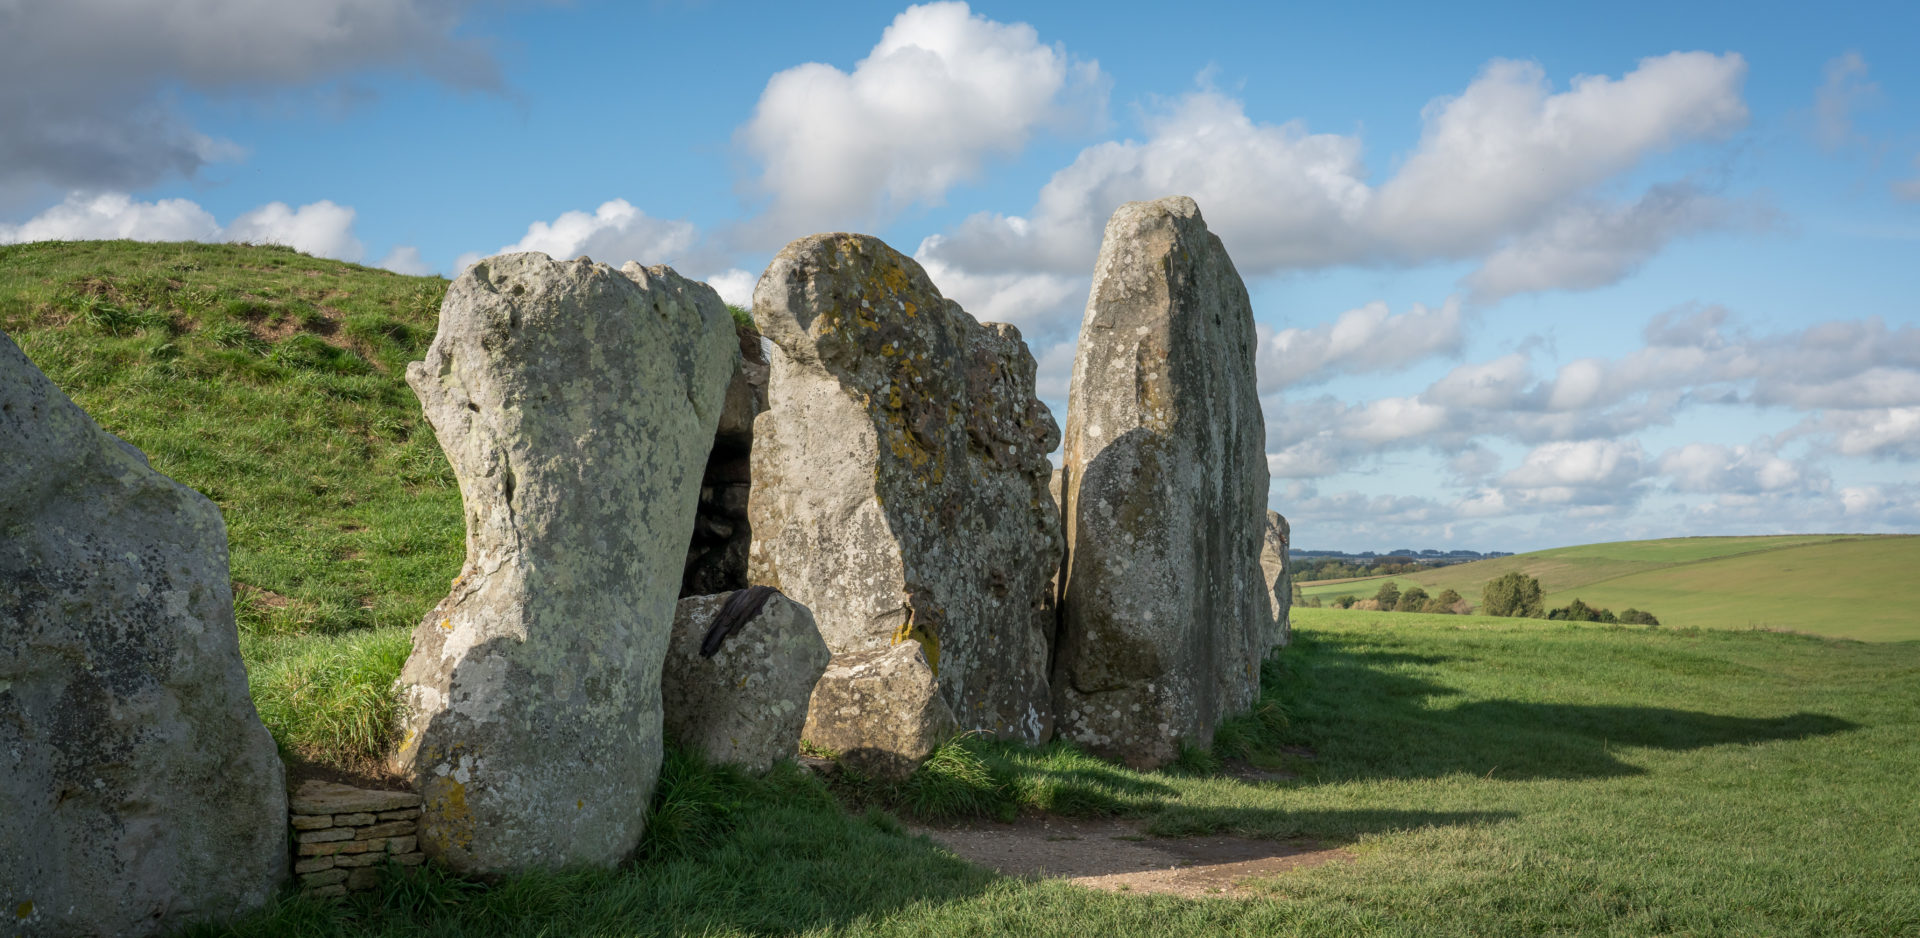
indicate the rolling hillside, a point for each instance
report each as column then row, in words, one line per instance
column 1848, row 586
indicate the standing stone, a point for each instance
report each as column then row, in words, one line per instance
column 139, row 791
column 747, row 703
column 1276, row 568
column 900, row 478
column 577, row 404
column 1164, row 610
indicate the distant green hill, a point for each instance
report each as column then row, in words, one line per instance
column 1843, row 585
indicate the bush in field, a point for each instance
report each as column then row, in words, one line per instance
column 1514, row 594
column 1413, row 600
column 1637, row 617
column 1389, row 595
column 1344, row 601
column 1447, row 603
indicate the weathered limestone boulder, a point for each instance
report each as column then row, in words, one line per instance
column 900, row 478
column 577, row 404
column 139, row 791
column 882, row 711
column 1164, row 610
column 717, row 556
column 747, row 703
column 1276, row 569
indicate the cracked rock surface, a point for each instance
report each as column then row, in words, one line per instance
column 139, row 791
column 577, row 404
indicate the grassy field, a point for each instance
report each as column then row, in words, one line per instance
column 274, row 382
column 1849, row 586
column 1489, row 776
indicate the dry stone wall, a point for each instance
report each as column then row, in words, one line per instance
column 900, row 479
column 577, row 404
column 343, row 836
column 1164, row 610
column 139, row 792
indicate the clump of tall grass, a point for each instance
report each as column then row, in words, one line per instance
column 328, row 698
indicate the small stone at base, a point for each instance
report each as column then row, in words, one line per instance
column 313, row 864
column 363, row 879
column 326, row 892
column 402, row 844
column 360, row 859
column 410, row 859
column 323, row 878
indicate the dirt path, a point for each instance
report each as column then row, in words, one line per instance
column 1115, row 855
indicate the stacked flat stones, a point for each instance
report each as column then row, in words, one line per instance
column 344, row 835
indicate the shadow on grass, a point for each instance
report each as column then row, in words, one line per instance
column 1367, row 719
column 726, row 854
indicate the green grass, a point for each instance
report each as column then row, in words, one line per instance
column 1488, row 776
column 274, row 382
column 1847, row 586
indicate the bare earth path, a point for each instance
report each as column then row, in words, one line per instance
column 1115, row 855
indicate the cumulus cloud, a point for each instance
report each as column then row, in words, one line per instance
column 1506, row 163
column 1593, row 244
column 1844, row 90
column 319, row 228
column 615, row 233
column 83, row 83
column 1857, row 382
column 942, row 92
column 735, row 286
column 1711, row 468
column 1367, row 339
column 406, row 259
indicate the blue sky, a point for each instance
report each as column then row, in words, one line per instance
column 1526, row 275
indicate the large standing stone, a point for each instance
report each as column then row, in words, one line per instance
column 577, row 404
column 1164, row 609
column 138, row 790
column 1276, row 567
column 747, row 702
column 900, row 478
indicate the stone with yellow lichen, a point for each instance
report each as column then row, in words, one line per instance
column 1165, row 613
column 900, row 479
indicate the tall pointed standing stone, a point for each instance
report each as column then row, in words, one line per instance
column 1164, row 610
column 139, row 792
column 577, row 404
column 900, row 479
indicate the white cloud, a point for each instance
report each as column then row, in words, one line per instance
column 322, row 229
column 1844, row 90
column 1713, row 468
column 614, row 234
column 319, row 228
column 1503, row 160
column 84, row 84
column 735, row 286
column 405, row 259
column 1593, row 244
column 1358, row 341
column 1581, row 464
column 943, row 91
column 108, row 215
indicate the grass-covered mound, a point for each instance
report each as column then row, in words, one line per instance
column 1489, row 777
column 1847, row 586
column 274, row 382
